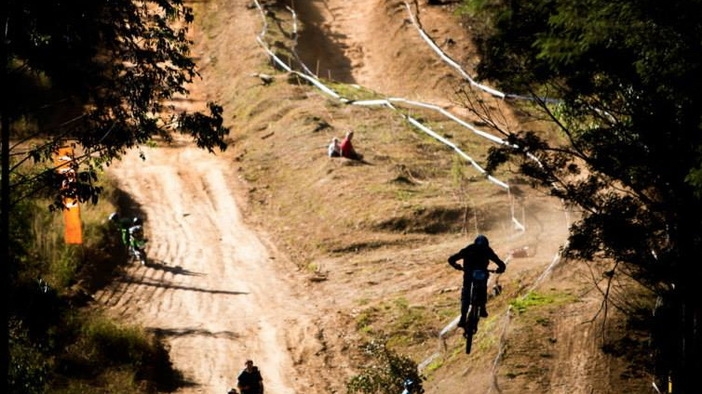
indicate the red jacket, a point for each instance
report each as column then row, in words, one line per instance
column 347, row 149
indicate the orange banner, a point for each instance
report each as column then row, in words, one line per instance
column 73, row 233
column 62, row 160
column 73, row 229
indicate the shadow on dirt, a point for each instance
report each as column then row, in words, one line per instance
column 426, row 221
column 320, row 50
column 175, row 270
column 154, row 283
column 358, row 247
column 184, row 332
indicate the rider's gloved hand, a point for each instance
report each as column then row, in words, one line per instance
column 455, row 265
column 499, row 270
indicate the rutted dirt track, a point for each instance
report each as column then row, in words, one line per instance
column 213, row 287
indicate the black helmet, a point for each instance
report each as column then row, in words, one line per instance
column 136, row 221
column 114, row 216
column 481, row 240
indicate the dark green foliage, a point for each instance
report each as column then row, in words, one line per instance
column 628, row 75
column 694, row 178
column 385, row 372
column 51, row 342
column 28, row 373
column 103, row 344
column 98, row 75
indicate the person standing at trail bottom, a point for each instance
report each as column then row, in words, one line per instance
column 476, row 256
column 249, row 380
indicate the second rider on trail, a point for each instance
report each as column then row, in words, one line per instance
column 476, row 256
column 137, row 241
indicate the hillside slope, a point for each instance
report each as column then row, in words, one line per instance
column 353, row 250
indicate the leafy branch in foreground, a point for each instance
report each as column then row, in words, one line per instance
column 627, row 74
column 100, row 75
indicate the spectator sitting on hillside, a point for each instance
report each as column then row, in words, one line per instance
column 334, row 150
column 347, row 149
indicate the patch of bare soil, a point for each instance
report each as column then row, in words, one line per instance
column 272, row 251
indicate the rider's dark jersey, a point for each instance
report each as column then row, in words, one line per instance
column 250, row 382
column 475, row 257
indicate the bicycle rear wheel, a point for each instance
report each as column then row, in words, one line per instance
column 471, row 326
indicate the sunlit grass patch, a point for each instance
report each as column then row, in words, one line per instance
column 535, row 300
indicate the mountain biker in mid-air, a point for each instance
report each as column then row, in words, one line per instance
column 476, row 256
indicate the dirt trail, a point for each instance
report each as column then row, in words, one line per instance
column 213, row 287
column 373, row 43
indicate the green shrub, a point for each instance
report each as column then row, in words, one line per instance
column 53, row 345
column 29, row 368
column 385, row 372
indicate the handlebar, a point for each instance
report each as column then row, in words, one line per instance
column 492, row 271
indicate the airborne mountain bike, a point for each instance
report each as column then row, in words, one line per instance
column 478, row 291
